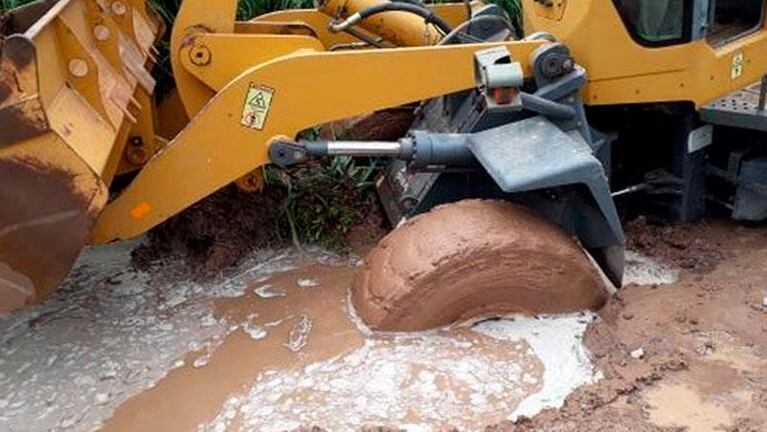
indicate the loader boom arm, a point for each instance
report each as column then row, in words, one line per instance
column 297, row 92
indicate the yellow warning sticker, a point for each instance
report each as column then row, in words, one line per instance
column 257, row 105
column 738, row 62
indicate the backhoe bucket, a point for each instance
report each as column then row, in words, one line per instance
column 74, row 90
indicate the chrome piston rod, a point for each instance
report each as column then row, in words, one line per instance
column 392, row 149
column 432, row 150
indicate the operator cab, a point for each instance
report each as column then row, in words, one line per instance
column 706, row 159
column 657, row 23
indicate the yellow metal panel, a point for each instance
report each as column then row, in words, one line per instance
column 315, row 19
column 144, row 29
column 197, row 16
column 117, row 157
column 53, row 65
column 274, row 27
column 140, row 143
column 81, row 128
column 622, row 71
column 64, row 118
column 87, row 73
column 452, row 13
column 306, row 90
column 210, row 56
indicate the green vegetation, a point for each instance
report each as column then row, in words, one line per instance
column 247, row 8
column 323, row 201
column 10, row 4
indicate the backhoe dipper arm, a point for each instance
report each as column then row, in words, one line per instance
column 230, row 136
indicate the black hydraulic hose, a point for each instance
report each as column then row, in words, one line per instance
column 425, row 12
column 460, row 28
column 429, row 16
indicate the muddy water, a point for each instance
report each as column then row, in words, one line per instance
column 677, row 404
column 294, row 356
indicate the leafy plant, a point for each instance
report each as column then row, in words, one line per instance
column 246, row 9
column 324, row 200
column 10, row 4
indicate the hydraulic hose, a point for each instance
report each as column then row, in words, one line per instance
column 429, row 16
column 449, row 37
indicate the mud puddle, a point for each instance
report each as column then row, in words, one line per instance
column 677, row 404
column 266, row 346
column 295, row 356
column 110, row 333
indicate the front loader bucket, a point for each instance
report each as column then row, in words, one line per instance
column 71, row 75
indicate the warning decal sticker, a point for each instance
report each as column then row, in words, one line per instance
column 257, row 104
column 737, row 66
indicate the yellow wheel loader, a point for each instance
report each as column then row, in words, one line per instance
column 647, row 102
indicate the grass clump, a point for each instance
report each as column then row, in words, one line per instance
column 324, row 201
column 10, row 4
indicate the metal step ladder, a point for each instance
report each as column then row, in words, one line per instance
column 744, row 108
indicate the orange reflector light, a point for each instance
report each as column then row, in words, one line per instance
column 141, row 210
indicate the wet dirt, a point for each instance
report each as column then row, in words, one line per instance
column 685, row 246
column 691, row 355
column 224, row 229
column 257, row 341
column 473, row 259
column 217, row 232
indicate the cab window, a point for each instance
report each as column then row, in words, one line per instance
column 730, row 20
column 656, row 22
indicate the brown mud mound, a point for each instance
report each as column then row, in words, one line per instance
column 473, row 259
column 217, row 232
column 221, row 230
